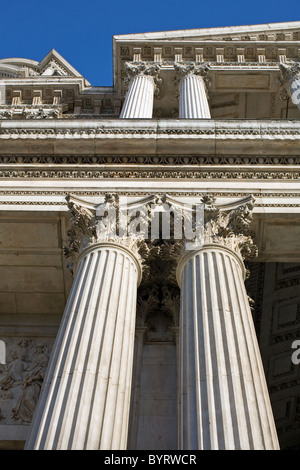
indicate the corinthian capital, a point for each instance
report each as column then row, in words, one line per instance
column 187, row 68
column 148, row 69
column 99, row 224
column 229, row 228
column 184, row 69
column 142, row 68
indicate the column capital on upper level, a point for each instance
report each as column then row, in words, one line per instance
column 147, row 69
column 194, row 82
column 142, row 68
column 200, row 69
column 196, row 68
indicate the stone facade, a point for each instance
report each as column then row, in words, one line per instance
column 113, row 340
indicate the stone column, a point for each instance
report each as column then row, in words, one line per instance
column 224, row 401
column 84, row 402
column 290, row 82
column 193, row 102
column 142, row 88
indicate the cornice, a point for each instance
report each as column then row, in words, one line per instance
column 212, row 32
column 154, row 138
column 144, row 128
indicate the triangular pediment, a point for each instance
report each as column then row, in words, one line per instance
column 52, row 65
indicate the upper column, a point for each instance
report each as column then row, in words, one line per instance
column 291, row 81
column 140, row 94
column 193, row 102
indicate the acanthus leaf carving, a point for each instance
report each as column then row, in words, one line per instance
column 229, row 228
column 191, row 68
column 101, row 224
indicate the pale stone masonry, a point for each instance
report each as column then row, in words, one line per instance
column 118, row 334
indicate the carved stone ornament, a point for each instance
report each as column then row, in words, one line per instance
column 31, row 112
column 92, row 225
column 156, row 227
column 158, row 302
column 187, row 68
column 21, row 379
column 147, row 69
column 191, row 68
column 290, row 82
column 229, row 228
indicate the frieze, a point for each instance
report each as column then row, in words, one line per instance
column 210, row 130
column 13, row 192
column 150, row 159
column 187, row 174
column 60, row 203
column 229, row 54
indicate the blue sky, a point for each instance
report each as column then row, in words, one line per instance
column 82, row 31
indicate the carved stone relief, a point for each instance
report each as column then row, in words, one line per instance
column 21, row 378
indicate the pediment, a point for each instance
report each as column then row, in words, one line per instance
column 53, row 64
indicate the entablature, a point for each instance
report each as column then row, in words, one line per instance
column 150, row 137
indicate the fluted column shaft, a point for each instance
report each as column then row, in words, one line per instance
column 85, row 398
column 193, row 103
column 139, row 98
column 224, row 401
